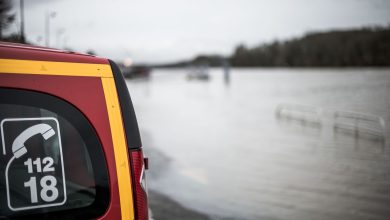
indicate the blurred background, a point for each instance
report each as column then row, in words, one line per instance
column 248, row 109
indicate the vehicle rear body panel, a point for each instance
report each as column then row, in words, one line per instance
column 87, row 83
column 26, row 52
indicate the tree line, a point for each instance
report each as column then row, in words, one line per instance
column 362, row 47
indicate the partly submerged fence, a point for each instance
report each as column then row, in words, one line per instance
column 350, row 123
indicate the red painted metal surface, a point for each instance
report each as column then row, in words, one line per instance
column 86, row 93
column 27, row 52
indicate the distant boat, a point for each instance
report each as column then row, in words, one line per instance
column 138, row 71
column 198, row 72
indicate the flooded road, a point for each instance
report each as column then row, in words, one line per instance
column 221, row 149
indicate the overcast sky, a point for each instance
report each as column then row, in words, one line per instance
column 163, row 31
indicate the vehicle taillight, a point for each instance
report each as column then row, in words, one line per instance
column 139, row 184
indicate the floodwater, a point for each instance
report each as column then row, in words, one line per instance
column 223, row 150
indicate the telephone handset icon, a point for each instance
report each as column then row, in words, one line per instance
column 34, row 173
column 18, row 147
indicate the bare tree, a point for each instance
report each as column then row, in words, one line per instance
column 6, row 17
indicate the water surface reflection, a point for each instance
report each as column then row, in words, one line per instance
column 222, row 149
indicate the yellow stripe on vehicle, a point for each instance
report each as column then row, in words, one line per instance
column 120, row 148
column 54, row 68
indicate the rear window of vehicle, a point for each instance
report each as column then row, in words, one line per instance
column 52, row 163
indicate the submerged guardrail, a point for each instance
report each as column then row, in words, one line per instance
column 303, row 113
column 360, row 124
column 347, row 122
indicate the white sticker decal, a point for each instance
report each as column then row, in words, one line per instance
column 34, row 173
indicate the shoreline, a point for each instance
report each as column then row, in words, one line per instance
column 165, row 208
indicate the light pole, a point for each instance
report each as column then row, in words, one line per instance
column 65, row 42
column 59, row 33
column 39, row 39
column 47, row 26
column 22, row 37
